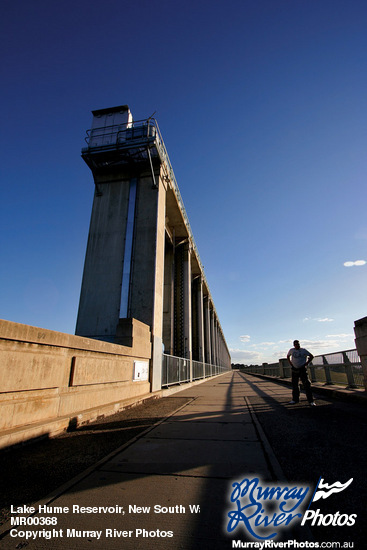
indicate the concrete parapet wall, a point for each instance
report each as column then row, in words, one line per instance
column 50, row 379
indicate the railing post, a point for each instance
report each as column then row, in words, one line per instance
column 312, row 372
column 349, row 371
column 281, row 371
column 164, row 370
column 283, row 363
column 329, row 381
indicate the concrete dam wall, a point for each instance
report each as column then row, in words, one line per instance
column 51, row 380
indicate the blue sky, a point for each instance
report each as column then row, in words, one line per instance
column 262, row 106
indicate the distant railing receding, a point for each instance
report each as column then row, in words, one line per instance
column 342, row 368
column 176, row 370
column 266, row 368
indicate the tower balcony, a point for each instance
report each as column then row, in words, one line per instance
column 123, row 145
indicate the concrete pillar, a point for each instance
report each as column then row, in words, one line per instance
column 218, row 345
column 104, row 286
column 221, row 350
column 147, row 271
column 198, row 326
column 195, row 318
column 220, row 357
column 168, row 299
column 100, row 298
column 360, row 331
column 179, row 344
column 213, row 337
column 187, row 324
column 282, row 365
column 208, row 353
column 183, row 302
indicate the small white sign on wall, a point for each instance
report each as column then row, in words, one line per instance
column 141, row 371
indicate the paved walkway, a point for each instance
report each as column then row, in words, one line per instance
column 175, row 478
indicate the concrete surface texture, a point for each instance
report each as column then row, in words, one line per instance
column 233, row 427
column 48, row 378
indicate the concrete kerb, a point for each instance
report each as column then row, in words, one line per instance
column 336, row 392
column 301, row 534
column 5, row 528
column 275, row 467
column 272, row 459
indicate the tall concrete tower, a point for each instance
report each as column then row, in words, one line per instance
column 123, row 271
column 141, row 260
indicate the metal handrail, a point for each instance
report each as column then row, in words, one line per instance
column 176, row 365
column 343, row 367
column 336, row 355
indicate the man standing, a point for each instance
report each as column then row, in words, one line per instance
column 299, row 358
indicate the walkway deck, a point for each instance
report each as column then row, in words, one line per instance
column 189, row 459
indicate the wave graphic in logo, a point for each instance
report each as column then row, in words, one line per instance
column 323, row 490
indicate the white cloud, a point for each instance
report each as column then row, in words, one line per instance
column 245, row 338
column 356, row 263
column 319, row 319
column 316, row 343
column 331, row 343
column 267, row 344
column 244, row 356
column 342, row 336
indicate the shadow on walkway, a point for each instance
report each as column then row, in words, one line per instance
column 192, row 457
